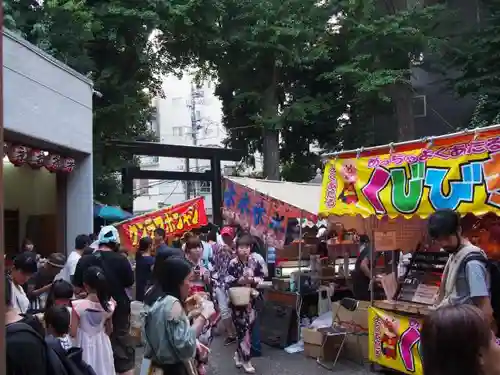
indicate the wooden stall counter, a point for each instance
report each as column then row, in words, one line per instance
column 282, row 297
column 403, row 307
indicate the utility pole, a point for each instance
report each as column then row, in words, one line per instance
column 194, row 129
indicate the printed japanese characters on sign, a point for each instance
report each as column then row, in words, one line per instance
column 463, row 177
column 395, row 341
column 172, row 223
column 174, row 220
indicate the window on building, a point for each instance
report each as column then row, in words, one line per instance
column 142, row 187
column 419, row 106
column 178, row 131
column 198, row 115
column 204, row 187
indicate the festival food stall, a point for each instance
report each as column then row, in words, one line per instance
column 394, row 188
column 284, row 216
column 175, row 220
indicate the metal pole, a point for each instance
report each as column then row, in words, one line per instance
column 426, row 139
column 372, row 256
column 188, row 183
column 299, row 294
column 194, row 129
column 2, row 228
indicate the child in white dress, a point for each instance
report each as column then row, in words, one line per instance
column 91, row 322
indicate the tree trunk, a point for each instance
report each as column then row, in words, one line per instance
column 271, row 146
column 402, row 93
column 271, row 155
column 402, row 97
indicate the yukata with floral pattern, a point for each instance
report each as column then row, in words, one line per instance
column 244, row 316
column 198, row 284
column 221, row 258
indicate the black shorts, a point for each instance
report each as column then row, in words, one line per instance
column 121, row 342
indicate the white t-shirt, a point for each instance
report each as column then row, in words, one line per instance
column 69, row 267
column 19, row 299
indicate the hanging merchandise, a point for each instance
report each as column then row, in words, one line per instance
column 68, row 164
column 53, row 162
column 18, row 154
column 5, row 149
column 35, row 158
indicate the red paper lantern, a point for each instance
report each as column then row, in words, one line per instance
column 68, row 165
column 18, row 154
column 36, row 158
column 53, row 162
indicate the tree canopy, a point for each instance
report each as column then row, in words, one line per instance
column 294, row 76
column 474, row 54
column 110, row 43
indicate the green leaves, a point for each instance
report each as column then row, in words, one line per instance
column 475, row 55
column 110, row 43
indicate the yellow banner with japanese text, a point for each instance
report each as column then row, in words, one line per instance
column 461, row 173
column 394, row 341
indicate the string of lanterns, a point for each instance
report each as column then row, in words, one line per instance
column 20, row 155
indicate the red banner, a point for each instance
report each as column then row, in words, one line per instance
column 175, row 219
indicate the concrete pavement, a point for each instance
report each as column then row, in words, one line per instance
column 272, row 362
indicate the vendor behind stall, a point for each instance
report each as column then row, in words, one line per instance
column 361, row 274
column 466, row 279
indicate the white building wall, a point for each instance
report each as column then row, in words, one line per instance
column 175, row 127
column 47, row 102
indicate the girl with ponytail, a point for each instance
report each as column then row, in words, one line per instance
column 91, row 322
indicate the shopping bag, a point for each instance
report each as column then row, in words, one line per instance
column 147, row 368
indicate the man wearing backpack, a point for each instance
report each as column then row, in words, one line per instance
column 466, row 277
column 120, row 277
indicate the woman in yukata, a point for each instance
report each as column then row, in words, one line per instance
column 199, row 283
column 201, row 275
column 244, row 271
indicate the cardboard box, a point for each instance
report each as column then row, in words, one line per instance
column 318, row 345
column 356, row 322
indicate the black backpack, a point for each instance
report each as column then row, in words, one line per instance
column 54, row 364
column 493, row 268
column 71, row 358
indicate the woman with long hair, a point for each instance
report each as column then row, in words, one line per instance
column 194, row 252
column 143, row 267
column 243, row 270
column 457, row 340
column 171, row 341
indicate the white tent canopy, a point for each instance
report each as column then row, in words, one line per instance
column 304, row 196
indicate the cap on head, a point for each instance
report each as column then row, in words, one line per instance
column 108, row 234
column 227, row 231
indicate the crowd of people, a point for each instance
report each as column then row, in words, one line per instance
column 72, row 316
